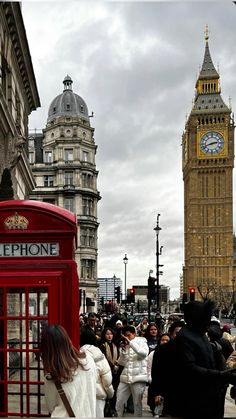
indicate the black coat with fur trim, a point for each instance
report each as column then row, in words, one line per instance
column 200, row 390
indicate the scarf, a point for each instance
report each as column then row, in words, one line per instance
column 111, row 353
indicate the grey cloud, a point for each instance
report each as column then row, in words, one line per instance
column 136, row 68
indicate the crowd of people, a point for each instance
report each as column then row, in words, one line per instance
column 186, row 366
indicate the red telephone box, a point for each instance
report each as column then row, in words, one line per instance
column 38, row 285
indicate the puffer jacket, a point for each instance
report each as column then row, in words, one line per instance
column 104, row 388
column 134, row 360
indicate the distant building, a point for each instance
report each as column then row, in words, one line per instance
column 141, row 296
column 164, row 294
column 18, row 98
column 62, row 158
column 106, row 288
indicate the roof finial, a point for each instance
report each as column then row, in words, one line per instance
column 206, row 33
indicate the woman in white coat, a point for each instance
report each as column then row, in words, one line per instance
column 75, row 370
column 104, row 388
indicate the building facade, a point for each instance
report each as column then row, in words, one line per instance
column 62, row 158
column 18, row 98
column 106, row 288
column 208, row 161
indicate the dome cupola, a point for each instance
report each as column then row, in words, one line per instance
column 68, row 103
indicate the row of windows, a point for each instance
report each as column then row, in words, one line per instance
column 88, row 205
column 87, row 237
column 68, row 156
column 88, row 268
column 211, row 120
column 209, row 87
column 212, row 186
column 69, row 108
column 87, row 180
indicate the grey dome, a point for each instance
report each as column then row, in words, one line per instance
column 68, row 103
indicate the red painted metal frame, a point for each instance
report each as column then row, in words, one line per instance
column 57, row 274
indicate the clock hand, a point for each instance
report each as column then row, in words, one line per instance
column 213, row 142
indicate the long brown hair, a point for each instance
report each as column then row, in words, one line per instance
column 60, row 358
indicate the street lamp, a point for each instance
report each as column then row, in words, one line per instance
column 125, row 260
column 149, row 294
column 233, row 300
column 158, row 253
column 114, row 285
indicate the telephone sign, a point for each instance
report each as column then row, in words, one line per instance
column 29, row 249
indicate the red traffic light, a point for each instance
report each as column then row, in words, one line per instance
column 192, row 290
column 131, row 291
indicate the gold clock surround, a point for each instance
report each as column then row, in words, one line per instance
column 223, row 153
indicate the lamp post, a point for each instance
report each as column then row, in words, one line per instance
column 114, row 285
column 233, row 300
column 158, row 253
column 106, row 288
column 125, row 260
column 149, row 295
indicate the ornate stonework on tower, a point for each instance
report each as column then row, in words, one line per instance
column 208, row 161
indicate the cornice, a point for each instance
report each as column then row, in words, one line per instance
column 16, row 28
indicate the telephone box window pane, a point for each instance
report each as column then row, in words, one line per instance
column 36, row 371
column 34, row 337
column 1, row 336
column 2, row 365
column 37, row 405
column 16, row 367
column 16, row 334
column 1, row 301
column 16, row 398
column 14, row 364
column 15, row 302
column 38, row 302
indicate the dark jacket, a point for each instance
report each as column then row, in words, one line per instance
column 186, row 373
column 200, row 389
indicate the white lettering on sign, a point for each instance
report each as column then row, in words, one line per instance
column 29, row 249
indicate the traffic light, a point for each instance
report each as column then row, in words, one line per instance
column 117, row 294
column 130, row 295
column 151, row 288
column 102, row 301
column 191, row 294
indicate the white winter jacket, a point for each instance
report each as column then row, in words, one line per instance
column 104, row 387
column 81, row 392
column 134, row 360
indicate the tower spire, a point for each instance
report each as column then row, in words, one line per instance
column 208, row 70
column 206, row 33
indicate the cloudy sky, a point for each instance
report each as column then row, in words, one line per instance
column 135, row 64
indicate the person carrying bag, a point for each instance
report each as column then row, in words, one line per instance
column 69, row 375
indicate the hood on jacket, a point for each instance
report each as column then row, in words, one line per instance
column 94, row 351
column 198, row 314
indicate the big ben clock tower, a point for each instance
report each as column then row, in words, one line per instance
column 208, row 161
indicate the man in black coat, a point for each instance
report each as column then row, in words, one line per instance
column 190, row 382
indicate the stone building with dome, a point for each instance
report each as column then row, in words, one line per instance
column 62, row 158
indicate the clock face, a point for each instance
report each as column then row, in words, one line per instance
column 212, row 142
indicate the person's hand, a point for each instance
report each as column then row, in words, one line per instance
column 125, row 339
column 229, row 376
column 157, row 399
